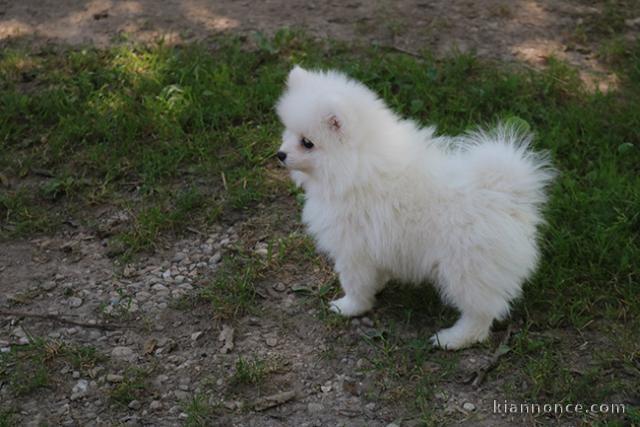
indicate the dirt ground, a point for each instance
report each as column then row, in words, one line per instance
column 527, row 31
column 323, row 371
column 317, row 373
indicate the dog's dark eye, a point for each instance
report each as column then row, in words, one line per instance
column 306, row 143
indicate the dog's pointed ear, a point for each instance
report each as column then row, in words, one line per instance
column 336, row 115
column 297, row 75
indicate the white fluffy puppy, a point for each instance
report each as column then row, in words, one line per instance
column 386, row 199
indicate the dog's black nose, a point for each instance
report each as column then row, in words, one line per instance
column 281, row 155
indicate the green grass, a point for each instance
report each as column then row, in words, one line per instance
column 183, row 137
column 200, row 413
column 7, row 417
column 33, row 366
column 132, row 387
column 234, row 290
column 249, row 372
column 205, row 122
column 610, row 23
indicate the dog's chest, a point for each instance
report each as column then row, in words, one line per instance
column 338, row 225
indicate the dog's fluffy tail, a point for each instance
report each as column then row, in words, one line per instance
column 502, row 161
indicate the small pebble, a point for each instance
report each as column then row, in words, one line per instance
column 80, row 389
column 181, row 394
column 75, row 302
column 114, row 378
column 48, row 286
column 159, row 287
column 160, row 379
column 124, row 353
column 272, row 341
column 135, row 405
column 230, row 404
column 215, row 258
column 468, row 406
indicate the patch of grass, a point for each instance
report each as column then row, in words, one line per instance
column 200, row 413
column 25, row 296
column 614, row 51
column 132, row 387
column 151, row 221
column 543, row 367
column 28, row 372
column 410, row 370
column 7, row 417
column 634, row 415
column 82, row 358
column 102, row 123
column 21, row 214
column 607, row 29
column 611, row 20
column 249, row 372
column 233, row 291
column 30, row 367
column 321, row 297
column 293, row 248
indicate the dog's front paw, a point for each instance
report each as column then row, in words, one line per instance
column 349, row 307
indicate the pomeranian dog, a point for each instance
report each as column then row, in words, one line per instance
column 386, row 199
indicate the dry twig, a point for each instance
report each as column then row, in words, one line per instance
column 56, row 318
column 479, row 375
column 274, row 400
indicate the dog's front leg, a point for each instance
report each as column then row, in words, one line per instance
column 360, row 283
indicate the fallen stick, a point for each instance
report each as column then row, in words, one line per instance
column 196, row 231
column 274, row 400
column 401, row 50
column 56, row 318
column 502, row 349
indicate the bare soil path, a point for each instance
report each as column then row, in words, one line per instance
column 528, row 31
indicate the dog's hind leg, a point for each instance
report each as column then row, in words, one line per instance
column 360, row 284
column 469, row 329
column 481, row 291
